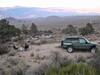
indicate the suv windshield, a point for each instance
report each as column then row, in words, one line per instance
column 87, row 40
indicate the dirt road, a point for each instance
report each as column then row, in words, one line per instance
column 39, row 53
column 47, row 49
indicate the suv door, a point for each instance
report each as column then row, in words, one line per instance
column 75, row 43
column 83, row 44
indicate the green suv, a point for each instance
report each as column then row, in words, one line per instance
column 77, row 43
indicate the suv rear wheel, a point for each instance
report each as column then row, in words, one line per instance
column 93, row 50
column 70, row 50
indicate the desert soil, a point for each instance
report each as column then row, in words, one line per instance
column 38, row 54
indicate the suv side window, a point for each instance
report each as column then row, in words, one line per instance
column 71, row 40
column 75, row 40
column 82, row 41
column 68, row 40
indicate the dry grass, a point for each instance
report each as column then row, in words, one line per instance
column 12, row 66
column 4, row 49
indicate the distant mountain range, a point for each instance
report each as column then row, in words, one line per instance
column 51, row 22
column 34, row 12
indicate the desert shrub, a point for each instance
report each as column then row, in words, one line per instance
column 81, row 59
column 13, row 60
column 33, row 29
column 19, row 69
column 88, row 29
column 5, row 71
column 4, row 49
column 58, row 59
column 41, row 69
column 73, row 69
column 32, row 54
column 70, row 30
column 13, row 66
column 24, row 29
column 44, row 41
column 12, row 53
column 96, row 60
column 7, row 31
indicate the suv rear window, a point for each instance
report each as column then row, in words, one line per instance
column 71, row 40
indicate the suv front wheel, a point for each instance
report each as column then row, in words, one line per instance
column 70, row 50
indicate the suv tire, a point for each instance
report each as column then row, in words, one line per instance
column 70, row 50
column 93, row 50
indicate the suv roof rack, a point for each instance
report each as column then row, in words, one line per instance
column 73, row 36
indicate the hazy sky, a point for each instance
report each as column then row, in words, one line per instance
column 56, row 5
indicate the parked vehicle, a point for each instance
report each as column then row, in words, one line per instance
column 73, row 43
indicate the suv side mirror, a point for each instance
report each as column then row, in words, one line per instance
column 86, row 42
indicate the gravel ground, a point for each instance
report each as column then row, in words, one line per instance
column 42, row 53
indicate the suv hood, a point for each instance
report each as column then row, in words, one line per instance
column 95, row 43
